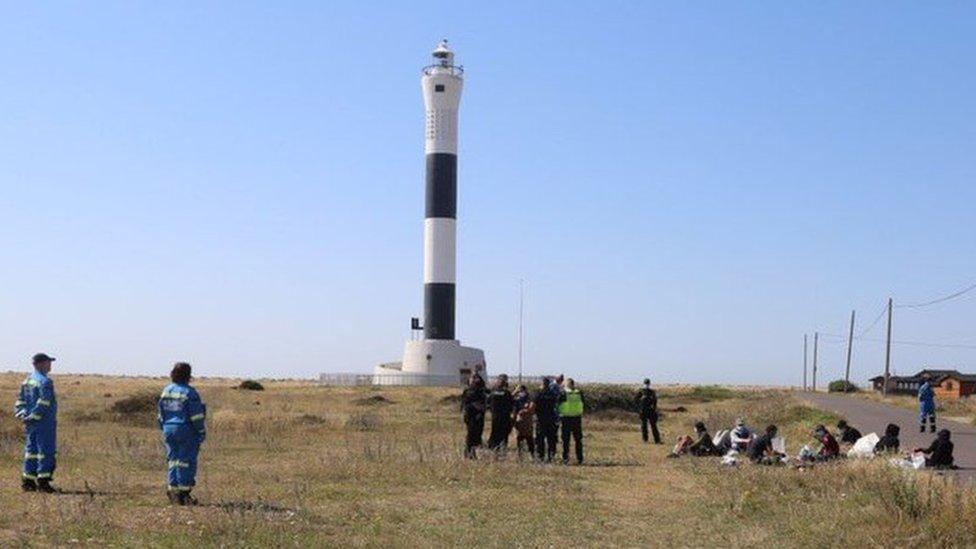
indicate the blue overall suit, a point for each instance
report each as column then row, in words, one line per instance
column 926, row 406
column 38, row 408
column 181, row 418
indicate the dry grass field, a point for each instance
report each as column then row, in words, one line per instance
column 309, row 466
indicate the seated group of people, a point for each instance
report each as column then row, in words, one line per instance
column 764, row 448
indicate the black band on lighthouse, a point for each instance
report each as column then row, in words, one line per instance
column 442, row 185
column 438, row 310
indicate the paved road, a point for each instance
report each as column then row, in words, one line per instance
column 869, row 416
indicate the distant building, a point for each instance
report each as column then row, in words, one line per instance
column 947, row 384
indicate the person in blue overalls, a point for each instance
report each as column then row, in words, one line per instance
column 181, row 418
column 38, row 409
column 926, row 406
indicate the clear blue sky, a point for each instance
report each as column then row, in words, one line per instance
column 686, row 188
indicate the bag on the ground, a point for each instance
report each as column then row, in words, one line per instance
column 864, row 447
column 779, row 445
column 915, row 460
column 717, row 439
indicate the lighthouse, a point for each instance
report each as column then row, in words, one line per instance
column 438, row 358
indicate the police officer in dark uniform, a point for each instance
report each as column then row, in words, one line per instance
column 647, row 403
column 501, row 403
column 474, row 402
column 546, row 402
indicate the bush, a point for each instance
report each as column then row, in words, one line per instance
column 138, row 410
column 250, row 385
column 610, row 397
column 841, row 386
column 136, row 404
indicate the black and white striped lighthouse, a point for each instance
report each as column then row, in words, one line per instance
column 438, row 358
column 442, row 83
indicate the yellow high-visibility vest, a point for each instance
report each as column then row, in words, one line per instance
column 572, row 406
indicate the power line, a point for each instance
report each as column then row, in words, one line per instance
column 953, row 295
column 926, row 344
column 837, row 338
column 881, row 313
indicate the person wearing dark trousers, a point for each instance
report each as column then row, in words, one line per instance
column 474, row 402
column 557, row 391
column 939, row 453
column 571, row 416
column 546, row 402
column 848, row 434
column 501, row 403
column 647, row 405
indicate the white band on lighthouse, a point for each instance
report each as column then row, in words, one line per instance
column 440, row 238
column 442, row 127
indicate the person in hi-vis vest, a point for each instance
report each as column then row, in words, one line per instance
column 571, row 407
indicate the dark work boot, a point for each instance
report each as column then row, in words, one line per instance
column 28, row 485
column 44, row 486
column 921, row 429
column 933, row 428
column 188, row 499
column 173, row 496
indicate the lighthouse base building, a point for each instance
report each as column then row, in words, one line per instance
column 438, row 358
column 432, row 362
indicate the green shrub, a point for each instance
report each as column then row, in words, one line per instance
column 250, row 385
column 136, row 404
column 841, row 386
column 138, row 410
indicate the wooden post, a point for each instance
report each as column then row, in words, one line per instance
column 816, row 343
column 804, row 362
column 887, row 374
column 850, row 344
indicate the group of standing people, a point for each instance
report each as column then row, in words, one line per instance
column 558, row 405
column 181, row 419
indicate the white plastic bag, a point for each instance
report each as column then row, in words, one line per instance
column 864, row 447
column 779, row 445
column 914, row 461
column 717, row 439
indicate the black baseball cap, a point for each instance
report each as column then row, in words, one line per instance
column 42, row 357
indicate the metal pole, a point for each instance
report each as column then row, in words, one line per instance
column 850, row 344
column 804, row 362
column 521, row 306
column 816, row 343
column 887, row 374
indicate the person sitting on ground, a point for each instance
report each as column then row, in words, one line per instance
column 741, row 436
column 829, row 448
column 760, row 449
column 848, row 434
column 939, row 453
column 889, row 442
column 699, row 446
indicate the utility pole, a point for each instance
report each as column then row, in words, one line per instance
column 884, row 391
column 816, row 342
column 521, row 305
column 850, row 345
column 804, row 362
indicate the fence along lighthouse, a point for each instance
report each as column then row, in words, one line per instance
column 438, row 358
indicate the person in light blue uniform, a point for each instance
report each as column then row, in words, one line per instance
column 37, row 407
column 926, row 406
column 181, row 418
